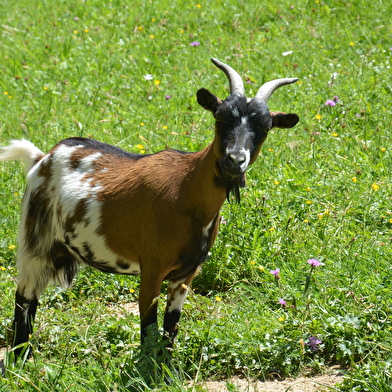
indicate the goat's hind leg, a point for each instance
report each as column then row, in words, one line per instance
column 33, row 278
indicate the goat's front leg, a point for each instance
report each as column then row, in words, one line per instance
column 176, row 294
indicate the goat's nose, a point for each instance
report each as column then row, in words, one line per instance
column 237, row 158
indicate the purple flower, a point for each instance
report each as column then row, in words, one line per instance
column 275, row 272
column 282, row 302
column 314, row 262
column 76, row 18
column 313, row 343
column 330, row 102
column 167, row 97
column 195, row 43
column 336, row 98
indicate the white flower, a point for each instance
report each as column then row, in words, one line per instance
column 287, row 53
column 148, row 77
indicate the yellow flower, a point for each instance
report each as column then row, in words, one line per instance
column 318, row 116
column 307, row 189
column 390, row 220
column 383, row 149
column 218, row 298
column 131, row 291
column 272, row 229
column 153, row 20
column 198, row 5
column 261, row 268
column 270, row 149
column 142, row 124
column 352, row 44
column 281, row 318
column 306, row 220
column 45, row 88
column 181, row 31
column 139, row 146
column 140, row 28
column 276, row 182
column 375, row 187
column 326, row 212
column 165, row 127
column 309, row 202
column 2, row 268
column 252, row 262
column 354, row 179
column 75, row 31
column 152, row 36
column 334, row 134
column 86, row 30
column 157, row 82
column 12, row 247
column 5, row 92
column 320, row 216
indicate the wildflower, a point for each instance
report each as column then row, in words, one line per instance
column 167, row 97
column 314, row 262
column 309, row 202
column 375, row 187
column 352, row 43
column 157, row 82
column 142, row 124
column 354, row 179
column 320, row 216
column 306, row 220
column 165, row 127
column 383, row 149
column 152, row 36
column 195, row 43
column 223, row 221
column 85, row 30
column 270, row 149
column 218, row 299
column 76, row 19
column 330, row 102
column 336, row 98
column 198, row 5
column 252, row 262
column 131, row 291
column 139, row 146
column 75, row 32
column 140, row 28
column 334, row 134
column 307, row 189
column 313, row 343
column 282, row 302
column 318, row 116
column 5, row 92
column 45, row 88
column 2, row 268
column 275, row 272
column 287, row 53
column 390, row 220
column 272, row 229
column 276, row 182
column 148, row 77
column 281, row 319
column 12, row 247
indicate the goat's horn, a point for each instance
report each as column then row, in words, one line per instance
column 266, row 90
column 236, row 84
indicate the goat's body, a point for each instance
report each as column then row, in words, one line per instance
column 88, row 203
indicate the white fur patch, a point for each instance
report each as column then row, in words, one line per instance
column 176, row 300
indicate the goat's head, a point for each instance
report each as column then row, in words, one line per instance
column 242, row 125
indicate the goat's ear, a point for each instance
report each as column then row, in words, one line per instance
column 208, row 100
column 284, row 120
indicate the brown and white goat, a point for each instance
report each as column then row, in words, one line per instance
column 90, row 203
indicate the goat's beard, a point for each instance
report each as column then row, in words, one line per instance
column 234, row 188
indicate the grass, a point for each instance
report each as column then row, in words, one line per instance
column 320, row 190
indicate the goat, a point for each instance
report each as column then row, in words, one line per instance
column 90, row 203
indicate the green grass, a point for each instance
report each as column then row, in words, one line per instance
column 321, row 189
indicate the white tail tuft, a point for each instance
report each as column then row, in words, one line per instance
column 21, row 150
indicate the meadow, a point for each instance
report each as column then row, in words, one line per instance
column 126, row 73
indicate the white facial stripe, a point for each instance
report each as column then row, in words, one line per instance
column 245, row 164
column 235, row 112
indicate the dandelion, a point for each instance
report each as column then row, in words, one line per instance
column 2, row 268
column 307, row 189
column 131, row 291
column 309, row 202
column 270, row 149
column 12, row 247
column 276, row 182
column 218, row 299
column 352, row 43
column 198, row 5
column 320, row 216
column 281, row 319
column 252, row 262
column 46, row 88
column 142, row 124
column 148, row 77
column 195, row 43
column 152, row 36
column 85, row 30
column 139, row 146
column 390, row 220
column 314, row 263
column 354, row 179
column 282, row 302
column 334, row 134
column 5, row 92
column 313, row 343
column 375, row 187
column 383, row 149
column 157, row 82
column 306, row 220
column 318, row 117
column 165, row 127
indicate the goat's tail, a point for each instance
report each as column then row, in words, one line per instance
column 21, row 150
